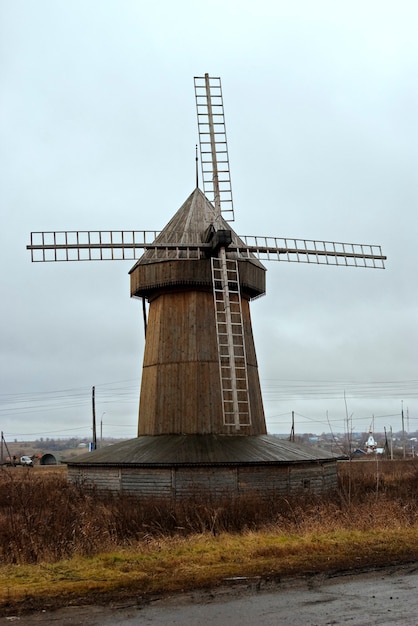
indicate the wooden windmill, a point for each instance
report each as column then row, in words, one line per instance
column 200, row 371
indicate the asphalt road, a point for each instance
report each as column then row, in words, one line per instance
column 384, row 597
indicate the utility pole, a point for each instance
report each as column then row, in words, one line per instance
column 3, row 442
column 391, row 444
column 292, row 430
column 94, row 420
column 101, row 429
column 403, row 433
column 348, row 428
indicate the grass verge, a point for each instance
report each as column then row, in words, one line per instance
column 178, row 564
column 61, row 544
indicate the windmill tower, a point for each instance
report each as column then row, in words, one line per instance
column 200, row 401
column 200, row 371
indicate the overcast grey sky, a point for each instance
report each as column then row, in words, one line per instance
column 98, row 131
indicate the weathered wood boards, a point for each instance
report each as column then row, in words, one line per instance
column 180, row 390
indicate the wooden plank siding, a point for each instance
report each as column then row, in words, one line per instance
column 101, row 478
column 180, row 390
column 147, row 279
column 157, row 483
column 214, row 481
column 264, row 480
column 232, row 481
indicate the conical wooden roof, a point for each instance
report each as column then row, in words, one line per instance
column 188, row 227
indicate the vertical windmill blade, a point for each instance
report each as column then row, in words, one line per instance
column 213, row 145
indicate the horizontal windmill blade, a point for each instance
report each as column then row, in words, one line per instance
column 127, row 245
column 110, row 245
column 89, row 245
column 311, row 251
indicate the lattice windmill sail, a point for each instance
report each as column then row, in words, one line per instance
column 214, row 157
column 200, row 373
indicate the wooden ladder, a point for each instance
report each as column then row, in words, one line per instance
column 231, row 342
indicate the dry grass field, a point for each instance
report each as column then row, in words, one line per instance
column 59, row 543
